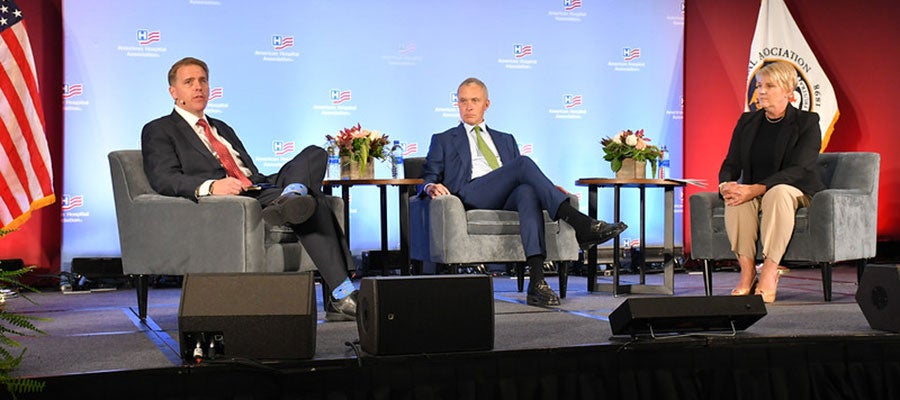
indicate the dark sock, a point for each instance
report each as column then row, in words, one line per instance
column 573, row 217
column 536, row 266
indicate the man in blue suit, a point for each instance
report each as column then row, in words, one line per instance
column 484, row 169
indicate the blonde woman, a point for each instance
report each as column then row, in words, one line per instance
column 769, row 172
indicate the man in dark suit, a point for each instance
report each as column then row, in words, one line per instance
column 484, row 169
column 191, row 155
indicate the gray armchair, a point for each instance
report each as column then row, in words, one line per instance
column 164, row 235
column 839, row 225
column 444, row 232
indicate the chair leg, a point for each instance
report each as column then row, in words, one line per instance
column 563, row 278
column 520, row 276
column 142, row 285
column 860, row 268
column 826, row 280
column 707, row 278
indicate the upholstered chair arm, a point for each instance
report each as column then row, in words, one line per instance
column 447, row 224
column 702, row 241
column 169, row 240
column 845, row 224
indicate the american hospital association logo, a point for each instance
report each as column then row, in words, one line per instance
column 70, row 202
column 280, row 42
column 571, row 107
column 280, row 148
column 339, row 96
column 70, row 91
column 146, row 37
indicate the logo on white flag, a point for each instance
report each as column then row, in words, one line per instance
column 777, row 38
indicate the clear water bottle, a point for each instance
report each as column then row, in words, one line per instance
column 397, row 160
column 334, row 167
column 664, row 163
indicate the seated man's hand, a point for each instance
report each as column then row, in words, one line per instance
column 225, row 186
column 436, row 190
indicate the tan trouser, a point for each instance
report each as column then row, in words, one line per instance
column 778, row 207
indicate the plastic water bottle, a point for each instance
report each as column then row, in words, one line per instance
column 397, row 160
column 664, row 163
column 334, row 167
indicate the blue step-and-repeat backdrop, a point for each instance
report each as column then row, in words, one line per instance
column 562, row 74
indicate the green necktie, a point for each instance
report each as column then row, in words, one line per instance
column 485, row 150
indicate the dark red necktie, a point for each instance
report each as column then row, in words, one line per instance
column 225, row 157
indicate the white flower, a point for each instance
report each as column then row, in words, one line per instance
column 631, row 140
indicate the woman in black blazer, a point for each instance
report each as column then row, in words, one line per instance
column 769, row 172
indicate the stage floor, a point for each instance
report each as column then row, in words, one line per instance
column 99, row 331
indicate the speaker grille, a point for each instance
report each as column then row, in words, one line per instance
column 423, row 314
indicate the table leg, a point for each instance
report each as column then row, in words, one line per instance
column 345, row 195
column 403, row 200
column 616, row 264
column 382, row 194
column 592, row 252
column 669, row 242
column 642, row 256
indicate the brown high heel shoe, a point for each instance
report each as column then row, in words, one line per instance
column 769, row 297
column 747, row 291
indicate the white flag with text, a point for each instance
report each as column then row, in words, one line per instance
column 777, row 37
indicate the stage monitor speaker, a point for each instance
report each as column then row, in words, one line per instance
column 247, row 315
column 685, row 314
column 425, row 314
column 878, row 296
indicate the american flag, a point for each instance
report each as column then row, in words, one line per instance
column 25, row 164
column 572, row 4
column 146, row 37
column 70, row 202
column 411, row 148
column 522, row 50
column 339, row 96
column 281, row 148
column 526, row 149
column 572, row 100
column 407, row 48
column 216, row 93
column 631, row 53
column 282, row 42
column 70, row 91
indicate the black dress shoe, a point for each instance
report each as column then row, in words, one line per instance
column 341, row 310
column 289, row 209
column 540, row 294
column 599, row 232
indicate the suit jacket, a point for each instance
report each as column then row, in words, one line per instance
column 176, row 161
column 449, row 160
column 796, row 150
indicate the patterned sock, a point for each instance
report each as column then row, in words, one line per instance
column 295, row 188
column 343, row 290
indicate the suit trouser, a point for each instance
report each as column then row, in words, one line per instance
column 518, row 185
column 321, row 235
column 777, row 207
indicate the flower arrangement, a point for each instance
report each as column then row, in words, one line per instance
column 628, row 144
column 358, row 145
